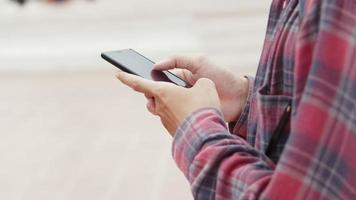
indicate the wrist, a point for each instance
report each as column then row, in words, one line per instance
column 241, row 94
column 244, row 92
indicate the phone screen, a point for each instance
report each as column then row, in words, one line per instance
column 132, row 62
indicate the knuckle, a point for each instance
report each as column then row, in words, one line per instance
column 201, row 58
column 159, row 91
column 206, row 82
column 135, row 86
column 210, row 82
column 175, row 57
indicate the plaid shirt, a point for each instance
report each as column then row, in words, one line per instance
column 308, row 62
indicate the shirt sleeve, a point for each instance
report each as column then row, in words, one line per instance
column 318, row 161
column 217, row 163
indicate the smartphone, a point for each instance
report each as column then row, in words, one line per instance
column 130, row 61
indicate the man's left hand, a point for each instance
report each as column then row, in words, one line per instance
column 170, row 102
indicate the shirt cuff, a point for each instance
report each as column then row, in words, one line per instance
column 239, row 127
column 193, row 134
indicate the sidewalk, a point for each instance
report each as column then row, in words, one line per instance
column 82, row 136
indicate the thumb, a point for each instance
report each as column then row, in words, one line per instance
column 165, row 65
column 206, row 88
column 182, row 62
column 205, row 83
column 151, row 105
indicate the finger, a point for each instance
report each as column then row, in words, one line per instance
column 178, row 72
column 148, row 96
column 151, row 105
column 165, row 65
column 182, row 62
column 207, row 87
column 137, row 83
column 185, row 75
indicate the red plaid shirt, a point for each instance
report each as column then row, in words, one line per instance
column 308, row 62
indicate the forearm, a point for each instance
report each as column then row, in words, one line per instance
column 213, row 160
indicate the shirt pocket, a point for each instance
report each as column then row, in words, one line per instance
column 271, row 116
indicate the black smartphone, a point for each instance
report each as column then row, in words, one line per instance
column 130, row 61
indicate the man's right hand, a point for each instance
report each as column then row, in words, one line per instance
column 232, row 89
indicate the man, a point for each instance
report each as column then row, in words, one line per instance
column 292, row 128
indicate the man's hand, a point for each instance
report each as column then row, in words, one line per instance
column 170, row 102
column 232, row 90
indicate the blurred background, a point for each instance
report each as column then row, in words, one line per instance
column 68, row 128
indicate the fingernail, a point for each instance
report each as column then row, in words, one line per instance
column 156, row 65
column 118, row 74
column 160, row 62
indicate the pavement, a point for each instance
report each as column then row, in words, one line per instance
column 82, row 136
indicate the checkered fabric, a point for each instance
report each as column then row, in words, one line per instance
column 308, row 62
